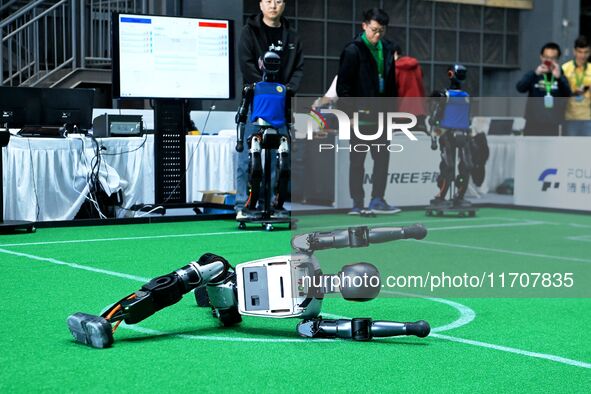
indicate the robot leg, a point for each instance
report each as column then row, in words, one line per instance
column 360, row 329
column 159, row 293
column 283, row 173
column 221, row 298
column 464, row 168
column 446, row 166
column 255, row 173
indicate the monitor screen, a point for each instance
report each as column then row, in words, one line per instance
column 172, row 57
column 500, row 127
column 67, row 107
column 24, row 106
column 19, row 106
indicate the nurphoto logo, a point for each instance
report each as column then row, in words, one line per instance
column 395, row 122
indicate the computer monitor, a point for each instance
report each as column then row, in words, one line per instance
column 20, row 106
column 67, row 107
column 501, row 127
column 172, row 57
column 25, row 106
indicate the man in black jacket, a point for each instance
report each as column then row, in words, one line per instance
column 270, row 31
column 266, row 31
column 367, row 69
column 544, row 86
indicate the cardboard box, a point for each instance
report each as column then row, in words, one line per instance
column 218, row 197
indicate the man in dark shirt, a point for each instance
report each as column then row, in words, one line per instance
column 367, row 69
column 544, row 113
column 266, row 31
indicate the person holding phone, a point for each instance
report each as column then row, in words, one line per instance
column 578, row 74
column 544, row 113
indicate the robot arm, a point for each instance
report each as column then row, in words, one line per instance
column 242, row 116
column 435, row 117
column 355, row 237
column 288, row 114
column 153, row 296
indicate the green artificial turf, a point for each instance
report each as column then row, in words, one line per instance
column 53, row 273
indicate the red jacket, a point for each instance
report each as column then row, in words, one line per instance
column 409, row 78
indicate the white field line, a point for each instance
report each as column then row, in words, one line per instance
column 507, row 251
column 149, row 237
column 507, row 349
column 580, row 238
column 76, row 266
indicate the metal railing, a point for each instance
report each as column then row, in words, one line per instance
column 30, row 48
column 46, row 36
column 95, row 32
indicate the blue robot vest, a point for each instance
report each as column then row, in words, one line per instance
column 269, row 103
column 457, row 110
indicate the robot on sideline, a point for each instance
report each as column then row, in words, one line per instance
column 450, row 122
column 289, row 286
column 270, row 106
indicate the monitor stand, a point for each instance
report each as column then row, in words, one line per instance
column 8, row 226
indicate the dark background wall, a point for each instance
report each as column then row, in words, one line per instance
column 436, row 33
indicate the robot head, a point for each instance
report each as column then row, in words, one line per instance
column 270, row 65
column 456, row 74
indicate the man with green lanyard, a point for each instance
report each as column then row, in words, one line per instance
column 366, row 69
column 578, row 74
column 544, row 113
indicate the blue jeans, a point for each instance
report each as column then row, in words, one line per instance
column 242, row 170
column 578, row 128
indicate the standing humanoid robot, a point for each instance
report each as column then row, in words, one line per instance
column 451, row 123
column 271, row 113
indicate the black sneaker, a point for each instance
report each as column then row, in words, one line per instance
column 380, row 206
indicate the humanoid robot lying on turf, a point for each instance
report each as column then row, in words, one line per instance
column 269, row 103
column 278, row 287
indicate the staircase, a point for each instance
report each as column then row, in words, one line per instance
column 60, row 43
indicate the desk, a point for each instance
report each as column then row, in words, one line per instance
column 51, row 173
column 45, row 178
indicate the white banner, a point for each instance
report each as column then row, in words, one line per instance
column 412, row 174
column 553, row 172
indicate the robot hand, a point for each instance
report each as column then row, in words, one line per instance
column 240, row 137
column 159, row 293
